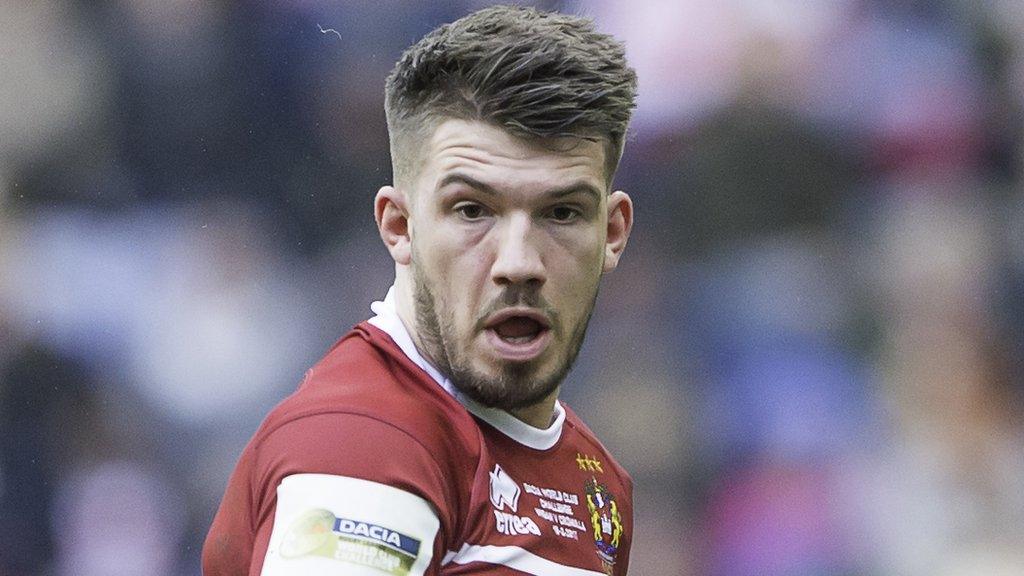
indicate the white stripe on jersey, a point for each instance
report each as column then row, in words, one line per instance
column 516, row 558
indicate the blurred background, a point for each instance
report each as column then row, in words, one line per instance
column 810, row 359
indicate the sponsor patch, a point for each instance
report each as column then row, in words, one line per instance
column 373, row 533
column 326, row 525
column 320, row 533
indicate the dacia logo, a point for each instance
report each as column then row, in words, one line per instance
column 504, row 490
column 376, row 533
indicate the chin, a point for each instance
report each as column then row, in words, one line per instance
column 510, row 387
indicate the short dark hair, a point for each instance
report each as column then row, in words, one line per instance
column 536, row 74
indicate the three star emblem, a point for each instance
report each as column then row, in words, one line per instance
column 587, row 463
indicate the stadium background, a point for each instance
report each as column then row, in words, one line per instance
column 810, row 359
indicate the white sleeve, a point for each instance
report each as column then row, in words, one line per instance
column 335, row 525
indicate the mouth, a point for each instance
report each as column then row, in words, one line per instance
column 518, row 334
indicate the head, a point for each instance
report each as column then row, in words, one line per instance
column 506, row 128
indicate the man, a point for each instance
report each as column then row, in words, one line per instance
column 430, row 439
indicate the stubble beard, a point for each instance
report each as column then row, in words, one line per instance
column 517, row 385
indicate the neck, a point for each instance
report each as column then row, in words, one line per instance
column 405, row 305
column 539, row 415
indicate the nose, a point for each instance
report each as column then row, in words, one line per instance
column 518, row 259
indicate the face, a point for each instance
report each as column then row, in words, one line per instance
column 508, row 240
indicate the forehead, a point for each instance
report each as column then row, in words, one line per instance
column 502, row 160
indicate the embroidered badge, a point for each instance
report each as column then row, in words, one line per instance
column 605, row 522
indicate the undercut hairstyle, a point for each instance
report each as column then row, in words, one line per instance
column 538, row 75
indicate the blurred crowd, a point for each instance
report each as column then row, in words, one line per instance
column 811, row 359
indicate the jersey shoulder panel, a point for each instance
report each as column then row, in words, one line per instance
column 339, row 464
column 364, row 412
column 588, row 438
column 366, row 373
column 372, row 456
column 351, row 445
column 366, row 385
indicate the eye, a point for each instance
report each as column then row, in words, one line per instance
column 564, row 214
column 471, row 211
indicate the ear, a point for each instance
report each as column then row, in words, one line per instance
column 620, row 223
column 390, row 209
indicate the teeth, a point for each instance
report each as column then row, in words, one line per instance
column 517, row 339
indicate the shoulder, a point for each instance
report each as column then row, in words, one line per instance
column 590, row 444
column 365, row 377
column 369, row 443
column 365, row 411
column 339, row 491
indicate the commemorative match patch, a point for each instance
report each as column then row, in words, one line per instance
column 326, row 525
column 321, row 533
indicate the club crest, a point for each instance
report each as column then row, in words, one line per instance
column 605, row 521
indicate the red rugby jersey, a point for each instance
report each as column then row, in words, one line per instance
column 394, row 443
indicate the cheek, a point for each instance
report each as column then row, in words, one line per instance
column 433, row 250
column 578, row 259
column 458, row 278
column 578, row 274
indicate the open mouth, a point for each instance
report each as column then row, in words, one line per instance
column 518, row 329
column 518, row 335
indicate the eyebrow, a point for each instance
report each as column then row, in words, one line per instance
column 574, row 188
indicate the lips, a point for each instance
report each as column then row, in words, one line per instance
column 518, row 334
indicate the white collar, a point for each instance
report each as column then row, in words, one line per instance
column 387, row 319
